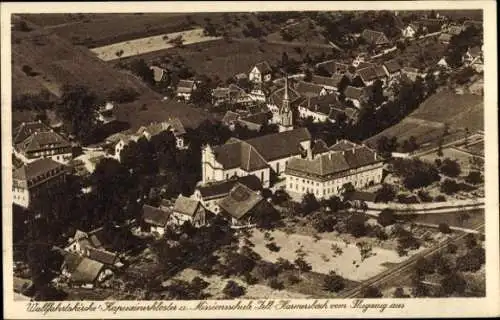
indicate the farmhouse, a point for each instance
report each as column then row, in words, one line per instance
column 326, row 175
column 211, row 193
column 357, row 96
column 241, row 205
column 308, row 89
column 82, row 242
column 374, row 38
column 319, row 108
column 260, row 73
column 392, row 69
column 230, row 94
column 367, row 76
column 185, row 88
column 83, row 271
column 30, row 181
column 329, row 83
column 186, row 209
column 155, row 220
column 159, row 74
column 474, row 58
column 35, row 140
column 258, row 156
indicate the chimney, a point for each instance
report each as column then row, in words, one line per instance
column 375, row 155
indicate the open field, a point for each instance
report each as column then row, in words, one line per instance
column 225, row 59
column 428, row 121
column 150, row 44
column 321, row 257
column 463, row 158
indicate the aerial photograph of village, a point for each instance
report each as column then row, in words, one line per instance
column 248, row 155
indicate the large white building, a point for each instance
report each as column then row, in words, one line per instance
column 328, row 173
column 35, row 140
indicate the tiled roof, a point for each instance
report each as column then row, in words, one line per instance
column 254, row 154
column 363, row 65
column 220, row 92
column 102, row 256
column 355, row 93
column 155, row 216
column 276, row 97
column 263, row 67
column 332, row 81
column 321, row 104
column 26, row 129
column 229, row 117
column 240, row 201
column 367, row 74
column 87, row 271
column 177, row 125
column 221, row 188
column 72, row 260
column 308, row 89
column 185, row 205
column 260, row 118
column 335, row 162
column 333, row 67
column 380, row 72
column 319, row 147
column 36, row 168
column 185, row 86
column 392, row 66
column 343, row 145
column 374, row 37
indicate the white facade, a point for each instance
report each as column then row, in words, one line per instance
column 256, row 76
column 408, row 32
column 317, row 116
column 64, row 157
column 325, row 187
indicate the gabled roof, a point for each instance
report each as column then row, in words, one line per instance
column 71, row 261
column 186, row 206
column 36, row 168
column 319, row 147
column 276, row 97
column 308, row 89
column 155, row 216
column 332, row 81
column 367, row 74
column 364, row 64
column 185, row 86
column 260, row 118
column 321, row 104
column 333, row 67
column 221, row 188
column 374, row 37
column 253, row 154
column 87, row 271
column 102, row 256
column 335, row 162
column 240, row 201
column 178, row 127
column 392, row 66
column 159, row 74
column 355, row 93
column 380, row 72
column 343, row 145
column 26, row 129
column 220, row 92
column 263, row 67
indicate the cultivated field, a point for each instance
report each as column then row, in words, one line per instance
column 321, row 256
column 427, row 123
column 150, row 44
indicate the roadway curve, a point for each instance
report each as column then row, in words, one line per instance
column 401, row 268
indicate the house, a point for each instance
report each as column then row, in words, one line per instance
column 474, row 57
column 32, row 179
column 82, row 242
column 331, row 67
column 308, row 89
column 329, row 83
column 409, row 31
column 231, row 94
column 369, row 75
column 84, row 272
column 241, row 205
column 252, row 121
column 429, row 25
column 155, row 219
column 260, row 73
column 185, row 88
column 35, row 140
column 412, row 73
column 187, row 209
column 374, row 38
column 327, row 174
column 258, row 156
column 454, row 30
column 319, row 108
column 106, row 113
column 392, row 69
column 109, row 259
column 357, row 96
column 443, row 63
column 211, row 193
column 445, row 38
column 159, row 74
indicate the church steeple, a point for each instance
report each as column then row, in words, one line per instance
column 286, row 118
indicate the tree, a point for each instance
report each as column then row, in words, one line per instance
column 470, row 241
column 333, row 282
column 444, row 228
column 386, row 217
column 324, row 222
column 142, row 70
column 453, row 283
column 309, row 203
column 386, row 145
column 424, row 266
column 371, row 292
column 356, row 225
column 400, row 293
column 233, row 290
column 472, row 260
column 377, row 96
column 450, row 168
column 415, row 173
column 302, row 265
column 275, row 284
column 449, row 186
column 122, row 95
column 78, row 109
column 474, row 177
column 410, row 145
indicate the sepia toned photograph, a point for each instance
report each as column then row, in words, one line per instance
column 247, row 155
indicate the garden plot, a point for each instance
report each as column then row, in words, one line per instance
column 150, row 44
column 322, row 257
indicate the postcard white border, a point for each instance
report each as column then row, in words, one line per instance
column 449, row 307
